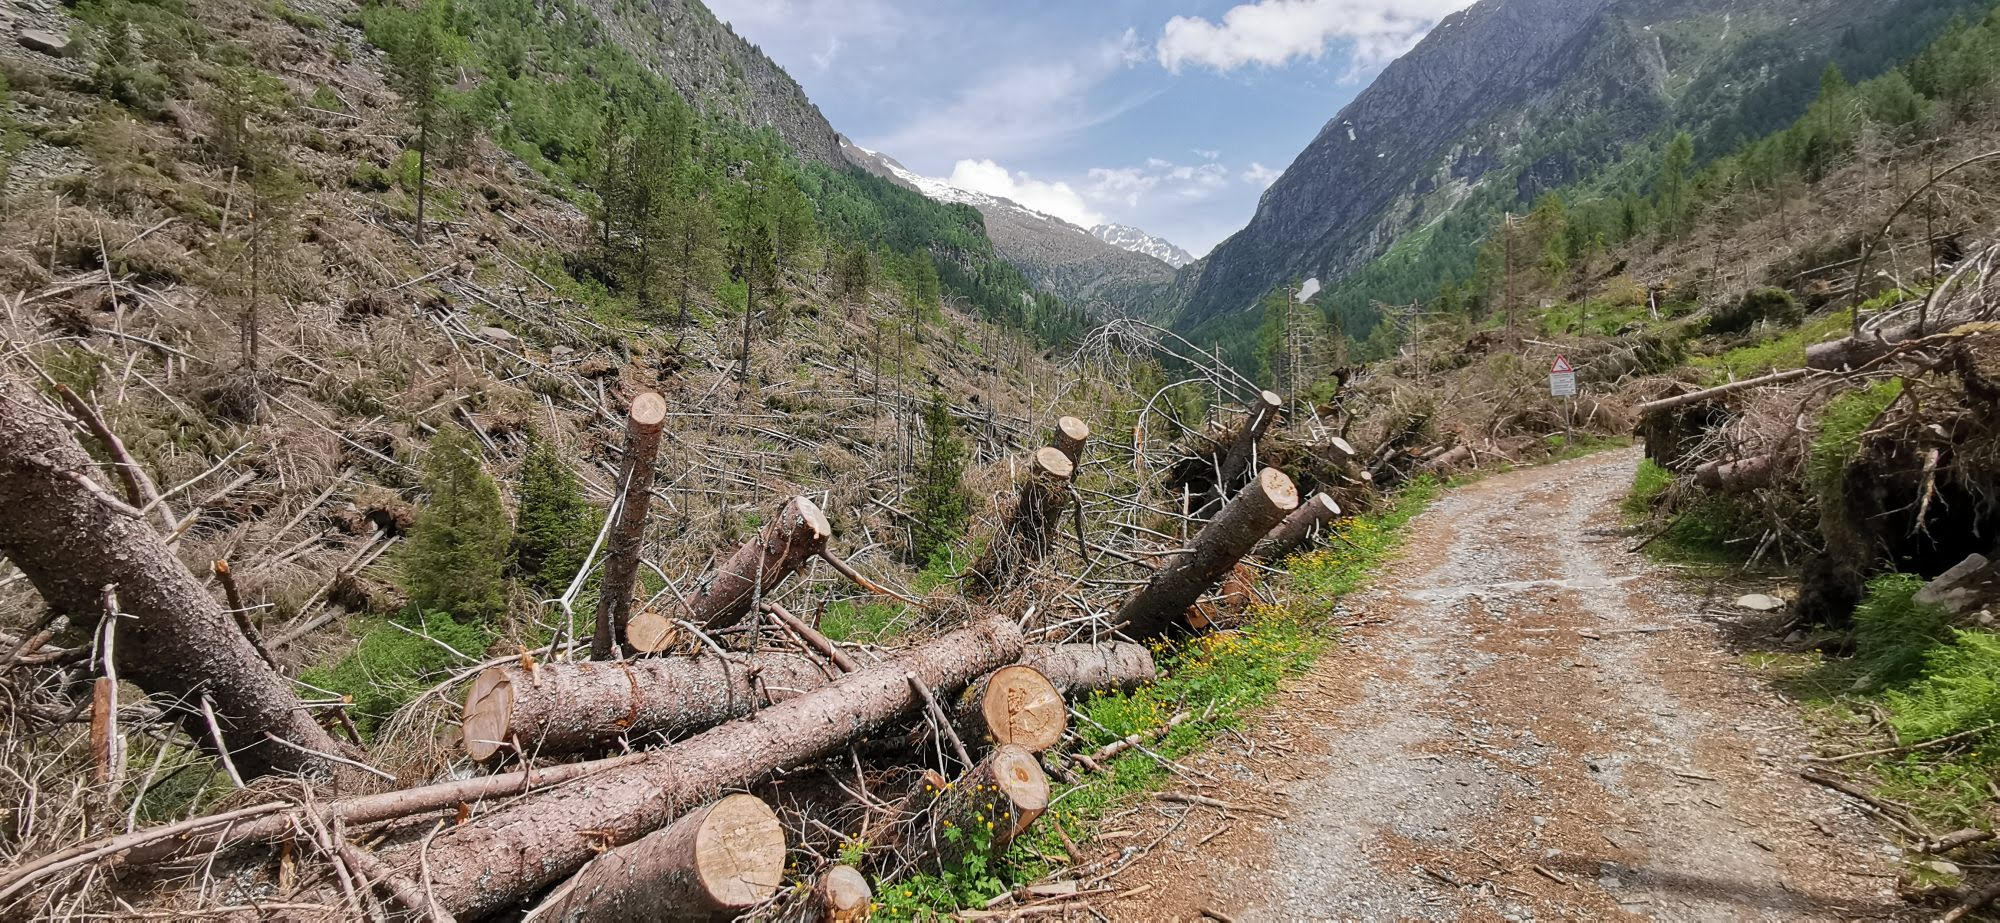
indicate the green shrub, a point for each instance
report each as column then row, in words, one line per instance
column 1841, row 425
column 554, row 525
column 1893, row 632
column 458, row 547
column 1958, row 691
column 940, row 501
column 397, row 660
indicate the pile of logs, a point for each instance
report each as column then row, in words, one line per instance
column 665, row 826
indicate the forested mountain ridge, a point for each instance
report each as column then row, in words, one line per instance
column 1512, row 98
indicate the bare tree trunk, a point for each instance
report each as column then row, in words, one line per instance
column 1298, row 527
column 783, row 547
column 556, row 708
column 72, row 539
column 493, row 861
column 1027, row 533
column 1162, row 604
column 1071, row 433
column 621, row 562
column 713, row 864
column 1075, row 669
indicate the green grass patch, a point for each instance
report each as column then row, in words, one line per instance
column 396, row 660
column 1648, row 485
column 1780, row 351
column 1219, row 678
column 865, row 621
column 1841, row 425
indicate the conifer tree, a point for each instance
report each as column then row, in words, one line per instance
column 458, row 547
column 553, row 524
column 420, row 62
column 940, row 500
column 1670, row 190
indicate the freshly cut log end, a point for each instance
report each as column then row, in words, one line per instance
column 1342, row 446
column 1277, row 489
column 1271, row 400
column 1018, row 705
column 1052, row 462
column 489, row 711
column 1071, row 434
column 842, row 896
column 712, row 864
column 1075, row 669
column 990, row 805
column 649, row 411
column 1298, row 526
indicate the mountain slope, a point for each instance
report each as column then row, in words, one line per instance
column 1058, row 257
column 1511, row 98
column 1126, row 237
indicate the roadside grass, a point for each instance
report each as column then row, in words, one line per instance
column 1219, row 679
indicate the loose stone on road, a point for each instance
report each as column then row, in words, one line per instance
column 1529, row 723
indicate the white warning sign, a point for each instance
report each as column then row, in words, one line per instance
column 1562, row 378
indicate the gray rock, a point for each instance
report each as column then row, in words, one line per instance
column 48, row 43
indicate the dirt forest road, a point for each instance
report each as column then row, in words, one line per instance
column 1528, row 723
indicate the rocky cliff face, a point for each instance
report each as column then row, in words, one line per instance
column 719, row 71
column 1057, row 256
column 1540, row 91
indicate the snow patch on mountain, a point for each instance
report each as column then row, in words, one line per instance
column 1126, row 237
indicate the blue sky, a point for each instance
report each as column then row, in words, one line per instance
column 1169, row 116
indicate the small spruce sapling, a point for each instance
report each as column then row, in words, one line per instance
column 554, row 525
column 942, row 503
column 458, row 547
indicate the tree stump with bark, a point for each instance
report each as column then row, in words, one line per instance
column 1028, row 532
column 621, row 561
column 557, row 708
column 1070, row 436
column 1161, row 605
column 713, row 864
column 782, row 548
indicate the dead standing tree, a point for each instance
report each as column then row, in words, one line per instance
column 73, row 538
column 1029, row 531
column 621, row 564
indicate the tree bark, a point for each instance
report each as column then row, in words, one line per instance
column 1735, row 477
column 1029, row 531
column 1071, row 434
column 783, row 547
column 556, row 708
column 1016, row 705
column 494, row 861
column 980, row 814
column 1161, row 605
column 1298, row 527
column 176, row 642
column 712, row 864
column 621, row 562
column 841, row 896
column 1076, row 669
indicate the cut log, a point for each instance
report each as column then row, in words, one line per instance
column 71, row 538
column 712, row 864
column 1243, row 447
column 1071, row 434
column 1077, row 669
column 1160, row 606
column 980, row 814
column 621, row 561
column 496, row 860
column 1017, row 705
column 1029, row 531
column 841, row 896
column 556, row 708
column 1298, row 527
column 1449, row 459
column 1696, row 397
column 1735, row 477
column 783, row 547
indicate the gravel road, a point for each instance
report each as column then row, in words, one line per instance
column 1528, row 723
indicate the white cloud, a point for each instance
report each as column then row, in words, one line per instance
column 1272, row 33
column 1261, row 176
column 1057, row 198
column 1206, row 154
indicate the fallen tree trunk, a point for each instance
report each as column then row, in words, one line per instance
column 73, row 539
column 556, row 708
column 1016, row 705
column 1071, row 434
column 1735, row 477
column 1243, row 448
column 988, row 808
column 1697, row 397
column 713, row 864
column 1162, row 604
column 621, row 560
column 1029, row 530
column 783, row 547
column 1075, row 669
column 496, row 860
column 1298, row 527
